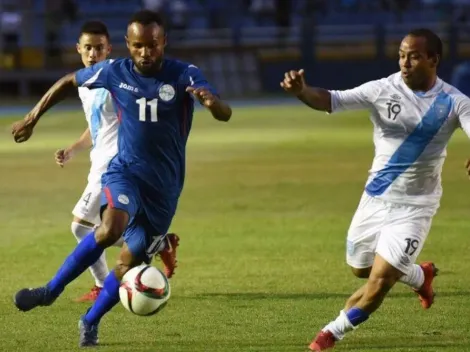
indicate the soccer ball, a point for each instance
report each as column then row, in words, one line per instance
column 144, row 290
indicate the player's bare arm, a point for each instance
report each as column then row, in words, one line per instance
column 316, row 98
column 83, row 143
column 219, row 109
column 22, row 130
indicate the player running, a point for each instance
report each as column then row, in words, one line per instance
column 414, row 114
column 144, row 181
column 101, row 135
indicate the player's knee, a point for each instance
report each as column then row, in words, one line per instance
column 108, row 234
column 112, row 227
column 361, row 273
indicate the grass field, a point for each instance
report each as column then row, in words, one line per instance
column 263, row 219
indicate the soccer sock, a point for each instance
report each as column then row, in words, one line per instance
column 99, row 270
column 346, row 321
column 85, row 254
column 414, row 278
column 107, row 299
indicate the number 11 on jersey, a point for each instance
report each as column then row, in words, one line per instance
column 142, row 102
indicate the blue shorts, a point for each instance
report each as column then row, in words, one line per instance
column 150, row 215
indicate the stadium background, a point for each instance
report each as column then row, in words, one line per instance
column 241, row 45
column 268, row 196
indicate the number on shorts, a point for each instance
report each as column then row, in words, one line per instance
column 86, row 199
column 411, row 246
column 155, row 245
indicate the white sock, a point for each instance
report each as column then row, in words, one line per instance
column 99, row 270
column 414, row 278
column 340, row 326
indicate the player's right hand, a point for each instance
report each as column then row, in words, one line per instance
column 467, row 166
column 22, row 130
column 62, row 156
column 294, row 82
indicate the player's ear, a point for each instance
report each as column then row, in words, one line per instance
column 110, row 48
column 165, row 42
column 127, row 41
column 78, row 48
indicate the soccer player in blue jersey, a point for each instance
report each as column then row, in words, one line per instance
column 154, row 98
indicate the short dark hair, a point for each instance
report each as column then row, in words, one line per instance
column 433, row 42
column 146, row 17
column 94, row 27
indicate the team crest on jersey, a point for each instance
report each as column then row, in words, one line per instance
column 166, row 92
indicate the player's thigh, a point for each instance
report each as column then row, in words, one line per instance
column 403, row 236
column 142, row 239
column 88, row 206
column 364, row 232
column 120, row 192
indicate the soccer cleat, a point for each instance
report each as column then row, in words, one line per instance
column 29, row 298
column 168, row 255
column 426, row 293
column 88, row 334
column 323, row 341
column 89, row 296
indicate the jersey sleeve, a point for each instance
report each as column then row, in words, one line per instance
column 193, row 77
column 95, row 76
column 463, row 112
column 362, row 97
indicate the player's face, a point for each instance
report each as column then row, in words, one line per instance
column 146, row 45
column 93, row 48
column 418, row 70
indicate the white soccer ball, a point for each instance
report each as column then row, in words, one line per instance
column 144, row 290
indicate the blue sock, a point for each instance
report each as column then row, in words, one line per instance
column 85, row 254
column 107, row 299
column 357, row 316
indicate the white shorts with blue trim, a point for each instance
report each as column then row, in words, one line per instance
column 396, row 232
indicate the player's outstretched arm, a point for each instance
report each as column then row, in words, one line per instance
column 316, row 98
column 84, row 142
column 219, row 109
column 22, row 130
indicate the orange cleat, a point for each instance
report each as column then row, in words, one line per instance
column 168, row 255
column 323, row 341
column 90, row 296
column 426, row 293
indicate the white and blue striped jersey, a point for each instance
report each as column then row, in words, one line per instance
column 411, row 133
column 103, row 123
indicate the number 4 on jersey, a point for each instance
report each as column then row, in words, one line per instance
column 142, row 102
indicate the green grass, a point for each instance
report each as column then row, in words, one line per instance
column 263, row 220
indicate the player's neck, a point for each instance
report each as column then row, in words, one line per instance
column 427, row 85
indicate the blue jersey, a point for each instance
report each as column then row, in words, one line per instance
column 155, row 114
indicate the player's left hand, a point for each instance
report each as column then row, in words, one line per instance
column 204, row 96
column 22, row 130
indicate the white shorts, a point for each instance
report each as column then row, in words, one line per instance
column 396, row 232
column 88, row 207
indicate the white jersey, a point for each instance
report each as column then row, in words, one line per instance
column 103, row 123
column 411, row 133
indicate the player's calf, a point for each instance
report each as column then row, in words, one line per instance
column 382, row 278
